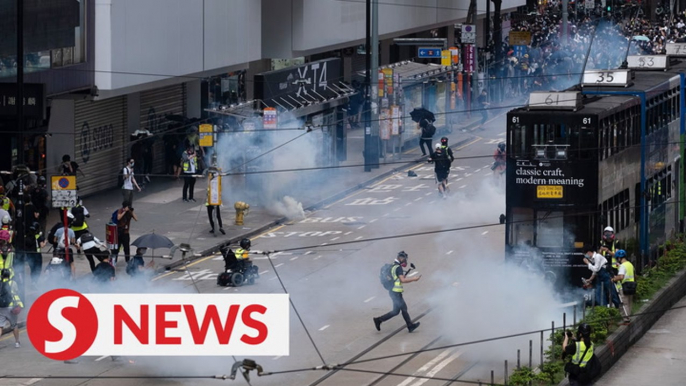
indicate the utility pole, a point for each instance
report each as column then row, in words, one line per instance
column 565, row 22
column 20, row 81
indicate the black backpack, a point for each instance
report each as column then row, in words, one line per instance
column 6, row 297
column 87, row 237
column 589, row 372
column 431, row 130
column 79, row 216
column 386, row 276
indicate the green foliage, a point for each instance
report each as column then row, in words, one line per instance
column 600, row 319
column 522, row 376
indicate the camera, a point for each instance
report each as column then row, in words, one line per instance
column 569, row 334
column 5, row 273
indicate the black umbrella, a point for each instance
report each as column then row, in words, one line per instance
column 421, row 113
column 152, row 240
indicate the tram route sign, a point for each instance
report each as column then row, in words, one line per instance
column 648, row 62
column 568, row 100
column 607, row 78
column 676, row 49
column 63, row 191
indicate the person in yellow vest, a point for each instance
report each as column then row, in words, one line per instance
column 608, row 247
column 80, row 213
column 10, row 304
column 6, row 203
column 581, row 350
column 6, row 253
column 396, row 293
column 627, row 283
column 189, row 164
column 243, row 253
column 213, row 209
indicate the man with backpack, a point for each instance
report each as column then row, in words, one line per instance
column 10, row 304
column 91, row 247
column 80, row 213
column 428, row 131
column 392, row 278
column 441, row 168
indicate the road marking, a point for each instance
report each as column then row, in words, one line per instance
column 292, row 258
column 317, row 257
column 428, row 194
column 276, row 266
column 346, row 233
column 437, row 369
column 101, row 358
column 274, row 278
column 432, row 201
column 463, row 186
column 374, row 220
column 275, row 358
column 426, row 367
column 324, row 328
column 361, row 227
column 358, row 237
column 32, row 381
column 408, row 204
column 449, row 252
column 322, row 244
column 467, row 174
column 458, row 179
column 484, row 233
column 385, row 215
column 370, row 299
column 334, row 239
column 227, row 288
column 263, row 272
column 309, row 253
column 396, row 209
column 213, row 256
column 418, row 198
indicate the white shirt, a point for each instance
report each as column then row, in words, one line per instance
column 128, row 178
column 89, row 244
column 600, row 262
column 622, row 270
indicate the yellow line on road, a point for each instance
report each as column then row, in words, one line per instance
column 10, row 335
column 213, row 256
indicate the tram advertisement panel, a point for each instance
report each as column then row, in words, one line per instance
column 551, row 183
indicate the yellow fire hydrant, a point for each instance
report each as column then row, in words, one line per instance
column 241, row 211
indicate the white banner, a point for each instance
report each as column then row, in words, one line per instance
column 64, row 324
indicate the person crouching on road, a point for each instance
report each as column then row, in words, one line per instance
column 396, row 294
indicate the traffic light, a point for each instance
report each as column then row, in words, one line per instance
column 609, row 8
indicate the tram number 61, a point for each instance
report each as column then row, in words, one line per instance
column 586, row 121
column 515, row 119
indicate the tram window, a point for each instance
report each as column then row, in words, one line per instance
column 521, row 227
column 518, row 141
column 549, row 228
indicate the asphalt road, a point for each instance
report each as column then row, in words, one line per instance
column 330, row 271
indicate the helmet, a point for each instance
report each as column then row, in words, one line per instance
column 6, row 219
column 4, row 236
column 501, row 146
column 609, row 229
column 41, row 180
column 245, row 243
column 620, row 254
column 35, row 227
column 444, row 140
column 584, row 330
column 402, row 254
column 438, row 145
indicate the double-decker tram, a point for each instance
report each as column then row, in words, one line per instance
column 608, row 153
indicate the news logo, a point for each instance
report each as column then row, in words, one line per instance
column 63, row 324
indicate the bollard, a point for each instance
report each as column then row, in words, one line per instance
column 518, row 362
column 506, row 371
column 492, row 378
column 564, row 321
column 574, row 315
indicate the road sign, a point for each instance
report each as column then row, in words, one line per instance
column 520, row 38
column 468, row 33
column 206, row 135
column 428, row 53
column 63, row 191
column 469, row 57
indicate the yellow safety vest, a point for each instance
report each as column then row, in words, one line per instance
column 187, row 164
column 16, row 300
column 397, row 285
column 580, row 348
column 38, row 245
column 6, row 203
column 629, row 276
column 614, row 262
column 241, row 254
column 7, row 263
column 82, row 227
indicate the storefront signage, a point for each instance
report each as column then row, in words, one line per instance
column 310, row 78
column 469, row 57
column 269, row 118
column 549, row 191
column 520, row 38
column 34, row 95
column 206, row 135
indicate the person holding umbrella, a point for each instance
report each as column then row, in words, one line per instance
column 152, row 241
column 425, row 118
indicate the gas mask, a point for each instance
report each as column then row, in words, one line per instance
column 590, row 259
column 403, row 263
column 608, row 236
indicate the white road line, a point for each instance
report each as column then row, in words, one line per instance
column 463, row 186
column 346, row 233
column 484, row 233
column 396, row 209
column 361, row 227
column 428, row 194
column 437, row 369
column 324, row 328
column 418, row 198
column 385, row 215
column 292, row 258
column 101, row 358
column 317, row 257
column 334, row 239
column 276, row 266
column 432, row 201
column 467, row 174
column 374, row 220
column 275, row 358
column 426, row 367
column 32, row 381
column 322, row 244
column 370, row 299
column 408, row 204
column 449, row 252
column 227, row 288
column 358, row 237
column 263, row 272
column 274, row 278
column 309, row 253
column 459, row 179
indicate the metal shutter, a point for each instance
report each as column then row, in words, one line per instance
column 155, row 106
column 100, row 143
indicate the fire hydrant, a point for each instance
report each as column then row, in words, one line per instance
column 241, row 211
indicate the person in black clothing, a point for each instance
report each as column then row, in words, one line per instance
column 34, row 241
column 447, row 149
column 104, row 272
column 442, row 169
column 396, row 293
column 39, row 198
column 483, row 105
column 428, row 131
